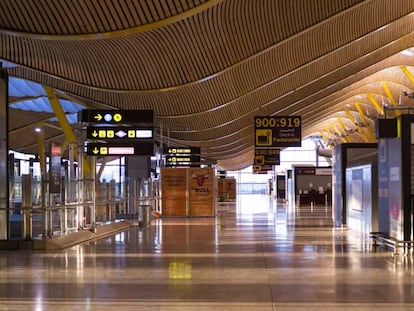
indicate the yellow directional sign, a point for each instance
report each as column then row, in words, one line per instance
column 98, row 117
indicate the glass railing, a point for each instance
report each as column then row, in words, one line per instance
column 81, row 204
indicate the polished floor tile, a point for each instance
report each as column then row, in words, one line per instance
column 257, row 254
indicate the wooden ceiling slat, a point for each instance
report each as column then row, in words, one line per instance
column 116, row 14
column 41, row 25
column 125, row 8
column 64, row 18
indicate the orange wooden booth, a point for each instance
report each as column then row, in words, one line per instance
column 227, row 189
column 188, row 192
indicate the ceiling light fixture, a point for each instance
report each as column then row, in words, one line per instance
column 407, row 52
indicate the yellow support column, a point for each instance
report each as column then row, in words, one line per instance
column 360, row 130
column 407, row 73
column 333, row 125
column 328, row 132
column 364, row 136
column 375, row 103
column 390, row 97
column 341, row 122
column 60, row 115
column 63, row 122
column 350, row 116
column 325, row 138
column 365, row 120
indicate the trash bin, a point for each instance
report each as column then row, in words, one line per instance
column 146, row 215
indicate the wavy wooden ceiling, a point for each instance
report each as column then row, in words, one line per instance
column 208, row 67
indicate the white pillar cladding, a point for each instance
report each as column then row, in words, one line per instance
column 136, row 169
column 4, row 146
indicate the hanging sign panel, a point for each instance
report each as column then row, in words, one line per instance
column 118, row 133
column 108, row 149
column 267, row 156
column 262, row 169
column 182, row 150
column 278, row 131
column 182, row 160
column 117, row 116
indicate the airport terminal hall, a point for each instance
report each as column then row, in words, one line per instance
column 197, row 155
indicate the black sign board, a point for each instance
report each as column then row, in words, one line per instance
column 117, row 116
column 182, row 160
column 267, row 157
column 181, row 150
column 305, row 170
column 278, row 131
column 262, row 169
column 109, row 149
column 118, row 133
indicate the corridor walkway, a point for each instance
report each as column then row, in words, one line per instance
column 256, row 255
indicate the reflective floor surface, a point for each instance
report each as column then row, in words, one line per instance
column 255, row 255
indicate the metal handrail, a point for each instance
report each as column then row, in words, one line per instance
column 395, row 244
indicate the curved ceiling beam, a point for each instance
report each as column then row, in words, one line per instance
column 228, row 68
column 116, row 33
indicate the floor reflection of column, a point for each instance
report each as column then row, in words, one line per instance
column 318, row 216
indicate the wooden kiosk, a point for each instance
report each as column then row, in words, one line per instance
column 188, row 192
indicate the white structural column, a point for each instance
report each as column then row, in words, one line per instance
column 4, row 146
